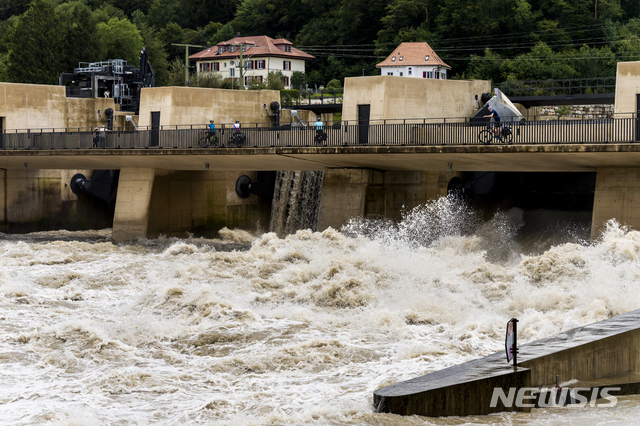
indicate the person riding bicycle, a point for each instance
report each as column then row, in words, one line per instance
column 494, row 120
column 238, row 138
column 319, row 127
column 212, row 132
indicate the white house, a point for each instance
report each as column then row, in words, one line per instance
column 260, row 55
column 414, row 60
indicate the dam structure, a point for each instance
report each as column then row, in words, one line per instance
column 392, row 150
column 603, row 354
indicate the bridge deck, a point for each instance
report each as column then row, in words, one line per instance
column 574, row 158
column 582, row 145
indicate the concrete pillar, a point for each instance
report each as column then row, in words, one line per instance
column 133, row 202
column 3, row 198
column 348, row 193
column 343, row 196
column 617, row 196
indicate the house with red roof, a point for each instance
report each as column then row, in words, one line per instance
column 414, row 60
column 260, row 55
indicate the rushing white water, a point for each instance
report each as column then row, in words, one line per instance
column 298, row 331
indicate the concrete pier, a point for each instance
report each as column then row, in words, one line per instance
column 599, row 354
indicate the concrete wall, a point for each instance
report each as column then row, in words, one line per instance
column 349, row 193
column 37, row 200
column 611, row 356
column 400, row 98
column 203, row 203
column 197, row 105
column 36, row 106
column 617, row 196
column 627, row 87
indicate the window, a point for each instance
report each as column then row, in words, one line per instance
column 409, row 71
column 232, row 72
column 429, row 74
column 426, row 58
column 216, row 66
column 248, row 65
column 287, row 48
column 260, row 64
column 286, row 65
column 220, row 50
column 393, row 59
column 400, row 73
column 286, row 81
column 244, row 47
column 232, row 49
column 401, row 57
column 225, row 64
column 260, row 78
column 389, row 73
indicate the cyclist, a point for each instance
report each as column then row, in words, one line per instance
column 212, row 132
column 238, row 138
column 319, row 133
column 494, row 120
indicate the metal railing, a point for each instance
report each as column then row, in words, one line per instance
column 565, row 87
column 323, row 97
column 409, row 132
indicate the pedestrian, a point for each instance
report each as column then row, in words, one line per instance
column 494, row 120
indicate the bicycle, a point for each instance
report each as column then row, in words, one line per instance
column 237, row 139
column 208, row 140
column 320, row 137
column 492, row 133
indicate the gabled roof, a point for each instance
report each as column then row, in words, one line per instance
column 413, row 54
column 261, row 46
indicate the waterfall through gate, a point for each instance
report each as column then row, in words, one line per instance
column 296, row 200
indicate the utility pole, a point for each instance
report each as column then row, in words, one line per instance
column 186, row 58
column 241, row 46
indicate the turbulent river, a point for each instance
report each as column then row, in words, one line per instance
column 261, row 330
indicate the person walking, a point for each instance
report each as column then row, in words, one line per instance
column 494, row 120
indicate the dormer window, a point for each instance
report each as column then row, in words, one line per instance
column 232, row 49
column 287, row 48
column 426, row 58
column 244, row 47
column 393, row 59
column 220, row 50
column 400, row 57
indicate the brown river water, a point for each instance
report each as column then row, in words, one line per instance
column 261, row 330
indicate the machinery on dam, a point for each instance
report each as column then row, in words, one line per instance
column 113, row 78
column 102, row 185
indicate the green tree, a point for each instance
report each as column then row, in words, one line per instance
column 13, row 8
column 274, row 18
column 161, row 12
column 157, row 55
column 120, row 39
column 274, row 80
column 175, row 75
column 225, row 33
column 298, row 79
column 34, row 54
column 80, row 39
